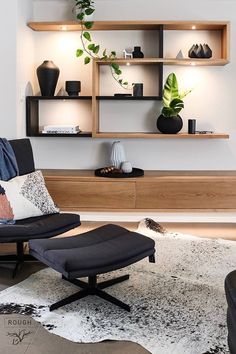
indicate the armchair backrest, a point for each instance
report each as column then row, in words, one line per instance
column 24, row 155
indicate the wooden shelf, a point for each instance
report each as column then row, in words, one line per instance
column 222, row 26
column 129, row 98
column 166, row 61
column 161, row 136
column 195, row 62
column 129, row 25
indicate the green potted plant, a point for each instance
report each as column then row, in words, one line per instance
column 83, row 9
column 169, row 122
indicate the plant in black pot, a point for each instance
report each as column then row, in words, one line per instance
column 169, row 122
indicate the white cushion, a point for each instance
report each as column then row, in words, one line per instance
column 24, row 197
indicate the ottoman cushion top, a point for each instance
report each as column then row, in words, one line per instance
column 98, row 251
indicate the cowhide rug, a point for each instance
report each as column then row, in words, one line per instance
column 178, row 303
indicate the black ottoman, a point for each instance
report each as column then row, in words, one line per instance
column 102, row 250
column 230, row 290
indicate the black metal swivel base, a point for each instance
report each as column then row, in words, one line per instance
column 92, row 288
column 18, row 259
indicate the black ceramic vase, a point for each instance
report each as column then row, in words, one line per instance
column 137, row 53
column 169, row 125
column 47, row 74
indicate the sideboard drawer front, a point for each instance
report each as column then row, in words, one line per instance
column 104, row 195
column 187, row 194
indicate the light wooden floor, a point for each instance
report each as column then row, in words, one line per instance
column 211, row 230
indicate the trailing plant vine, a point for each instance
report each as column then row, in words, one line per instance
column 90, row 49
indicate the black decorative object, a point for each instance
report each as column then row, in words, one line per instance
column 207, row 51
column 47, row 74
column 200, row 51
column 137, row 89
column 136, row 172
column 137, row 53
column 192, row 126
column 169, row 125
column 73, row 88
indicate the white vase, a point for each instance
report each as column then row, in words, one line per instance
column 117, row 154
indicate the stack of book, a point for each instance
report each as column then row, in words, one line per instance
column 61, row 129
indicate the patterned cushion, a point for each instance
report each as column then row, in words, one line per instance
column 24, row 197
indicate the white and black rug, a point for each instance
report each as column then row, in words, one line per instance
column 178, row 303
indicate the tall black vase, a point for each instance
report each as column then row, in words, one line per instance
column 47, row 74
column 169, row 125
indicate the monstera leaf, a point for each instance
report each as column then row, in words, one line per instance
column 172, row 99
column 171, row 90
column 174, row 108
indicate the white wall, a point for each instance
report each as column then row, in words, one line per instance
column 211, row 102
column 25, row 54
column 8, row 20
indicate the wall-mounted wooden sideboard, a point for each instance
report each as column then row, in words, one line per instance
column 80, row 190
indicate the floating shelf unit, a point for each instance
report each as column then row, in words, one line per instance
column 223, row 27
column 32, row 116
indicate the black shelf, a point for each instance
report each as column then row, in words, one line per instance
column 79, row 135
column 45, row 98
column 129, row 98
column 32, row 116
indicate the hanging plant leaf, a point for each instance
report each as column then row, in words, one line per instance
column 96, row 49
column 87, row 36
column 89, row 11
column 80, row 16
column 88, row 25
column 87, row 60
column 118, row 72
column 91, row 46
column 79, row 52
column 114, row 66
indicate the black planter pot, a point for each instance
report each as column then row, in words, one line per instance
column 73, row 88
column 169, row 125
column 47, row 74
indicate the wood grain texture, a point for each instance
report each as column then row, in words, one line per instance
column 156, row 190
column 75, row 194
column 158, row 135
column 188, row 194
column 128, row 25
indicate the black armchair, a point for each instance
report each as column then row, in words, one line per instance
column 230, row 291
column 36, row 227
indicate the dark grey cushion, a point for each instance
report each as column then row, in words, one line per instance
column 230, row 290
column 98, row 251
column 38, row 227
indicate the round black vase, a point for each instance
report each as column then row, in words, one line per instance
column 47, row 74
column 169, row 125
